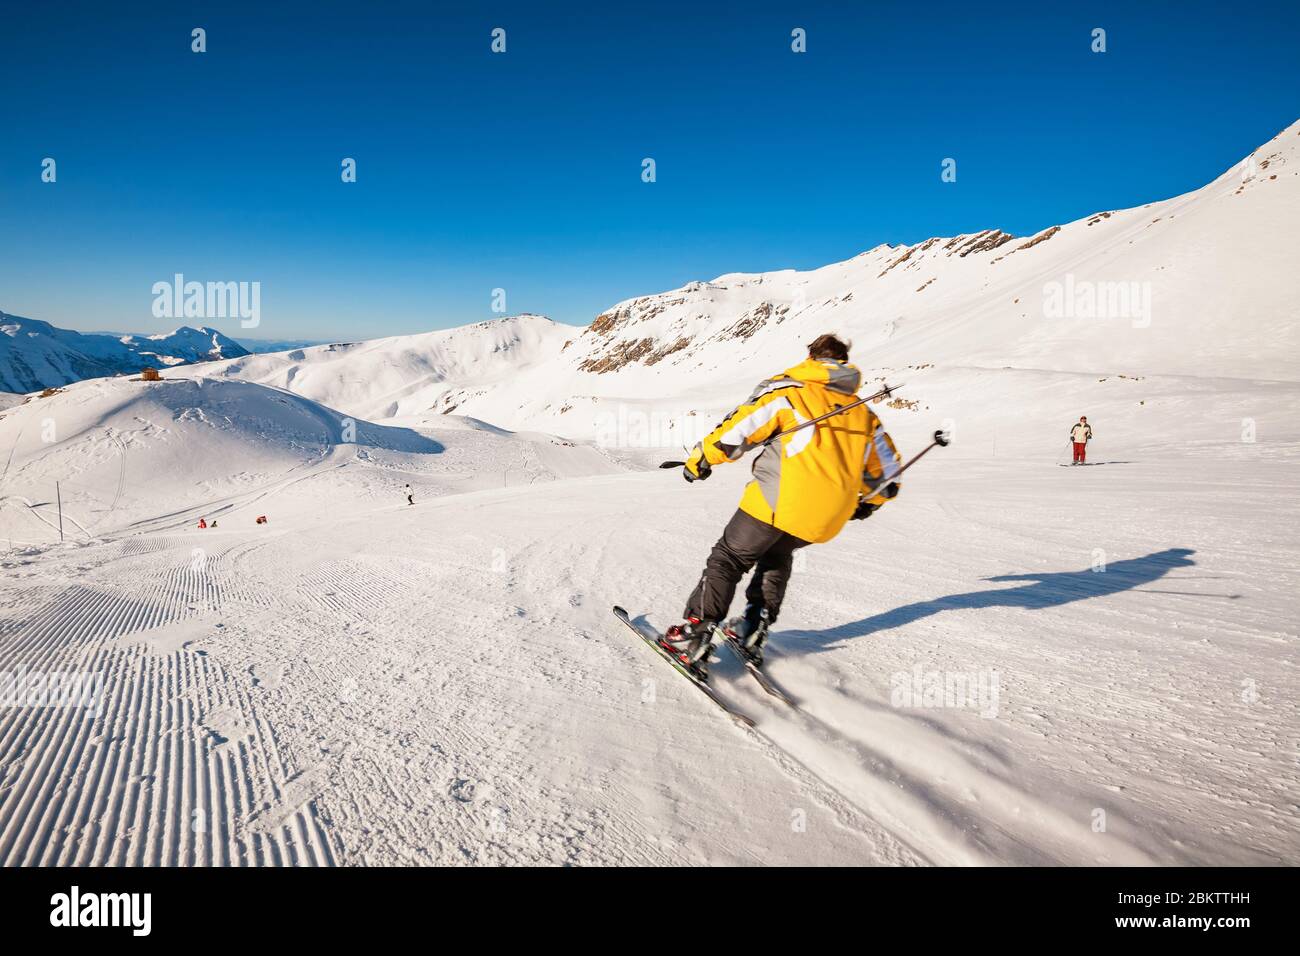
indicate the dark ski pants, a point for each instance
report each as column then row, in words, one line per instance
column 1080, row 450
column 745, row 543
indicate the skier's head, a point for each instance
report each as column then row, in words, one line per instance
column 1083, row 419
column 828, row 346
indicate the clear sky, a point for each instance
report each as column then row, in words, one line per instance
column 522, row 170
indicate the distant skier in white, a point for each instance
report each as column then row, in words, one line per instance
column 1080, row 434
column 410, row 495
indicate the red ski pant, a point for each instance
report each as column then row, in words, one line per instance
column 1080, row 451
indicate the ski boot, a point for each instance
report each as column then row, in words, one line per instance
column 750, row 633
column 691, row 642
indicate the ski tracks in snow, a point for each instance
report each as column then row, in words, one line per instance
column 146, row 778
column 274, row 704
column 445, row 685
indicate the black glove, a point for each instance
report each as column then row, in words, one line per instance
column 697, row 469
column 864, row 509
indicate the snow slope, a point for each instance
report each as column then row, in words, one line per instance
column 435, row 372
column 364, row 682
column 36, row 355
column 132, row 455
column 367, row 683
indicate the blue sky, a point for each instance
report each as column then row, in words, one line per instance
column 522, row 170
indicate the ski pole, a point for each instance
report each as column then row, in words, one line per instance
column 940, row 441
column 883, row 393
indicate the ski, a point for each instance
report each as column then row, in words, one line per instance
column 756, row 672
column 651, row 637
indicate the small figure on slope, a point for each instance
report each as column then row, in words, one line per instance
column 1080, row 434
column 203, row 523
column 806, row 486
column 410, row 495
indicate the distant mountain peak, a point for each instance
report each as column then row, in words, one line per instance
column 36, row 355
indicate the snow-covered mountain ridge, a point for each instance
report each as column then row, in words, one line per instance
column 36, row 355
column 1199, row 288
column 1200, row 284
column 1160, row 306
column 410, row 374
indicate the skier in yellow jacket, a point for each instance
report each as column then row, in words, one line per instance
column 806, row 486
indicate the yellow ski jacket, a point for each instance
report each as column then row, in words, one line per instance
column 806, row 484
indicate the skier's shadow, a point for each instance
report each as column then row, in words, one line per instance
column 1047, row 589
